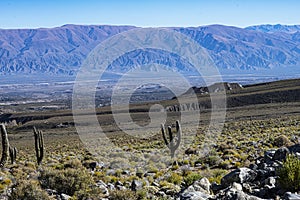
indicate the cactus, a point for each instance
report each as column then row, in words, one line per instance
column 39, row 145
column 174, row 141
column 13, row 154
column 5, row 145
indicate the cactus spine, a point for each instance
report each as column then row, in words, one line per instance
column 174, row 141
column 39, row 145
column 5, row 146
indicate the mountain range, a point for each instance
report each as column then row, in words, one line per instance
column 62, row 50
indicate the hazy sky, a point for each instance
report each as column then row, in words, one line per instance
column 145, row 13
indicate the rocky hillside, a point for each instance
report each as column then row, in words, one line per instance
column 62, row 50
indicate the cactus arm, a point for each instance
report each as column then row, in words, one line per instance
column 164, row 134
column 178, row 134
column 13, row 154
column 170, row 134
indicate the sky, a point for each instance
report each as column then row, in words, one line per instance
column 147, row 13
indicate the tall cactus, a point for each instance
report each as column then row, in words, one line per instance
column 5, row 145
column 174, row 141
column 39, row 145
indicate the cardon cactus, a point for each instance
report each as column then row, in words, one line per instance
column 39, row 145
column 5, row 146
column 174, row 140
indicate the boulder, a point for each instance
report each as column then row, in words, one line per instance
column 241, row 175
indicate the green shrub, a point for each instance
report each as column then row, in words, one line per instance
column 191, row 178
column 66, row 181
column 289, row 173
column 28, row 190
column 174, row 178
column 122, row 195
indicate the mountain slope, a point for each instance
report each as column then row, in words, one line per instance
column 62, row 50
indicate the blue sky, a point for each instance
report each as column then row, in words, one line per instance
column 154, row 13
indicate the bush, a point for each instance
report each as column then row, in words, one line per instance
column 191, row 178
column 281, row 140
column 28, row 190
column 123, row 195
column 174, row 178
column 289, row 173
column 67, row 181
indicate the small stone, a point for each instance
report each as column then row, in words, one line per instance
column 65, row 197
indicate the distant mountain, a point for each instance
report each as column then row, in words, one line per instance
column 58, row 50
column 268, row 28
column 62, row 50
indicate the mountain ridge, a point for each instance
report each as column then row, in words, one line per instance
column 61, row 50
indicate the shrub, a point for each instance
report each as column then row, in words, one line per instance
column 281, row 140
column 66, row 181
column 123, row 195
column 28, row 190
column 174, row 178
column 289, row 173
column 191, row 178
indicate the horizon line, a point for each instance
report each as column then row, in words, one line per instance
column 170, row 26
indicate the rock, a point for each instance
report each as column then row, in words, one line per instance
column 93, row 165
column 100, row 182
column 51, row 192
column 104, row 190
column 237, row 186
column 126, row 172
column 235, row 193
column 253, row 166
column 291, row 196
column 271, row 181
column 202, row 185
column 120, row 187
column 190, row 151
column 119, row 183
column 111, row 186
column 268, row 156
column 247, row 188
column 155, row 184
column 281, row 154
column 241, row 175
column 136, row 185
column 111, row 172
column 216, row 187
column 65, row 197
column 294, row 148
column 196, row 195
